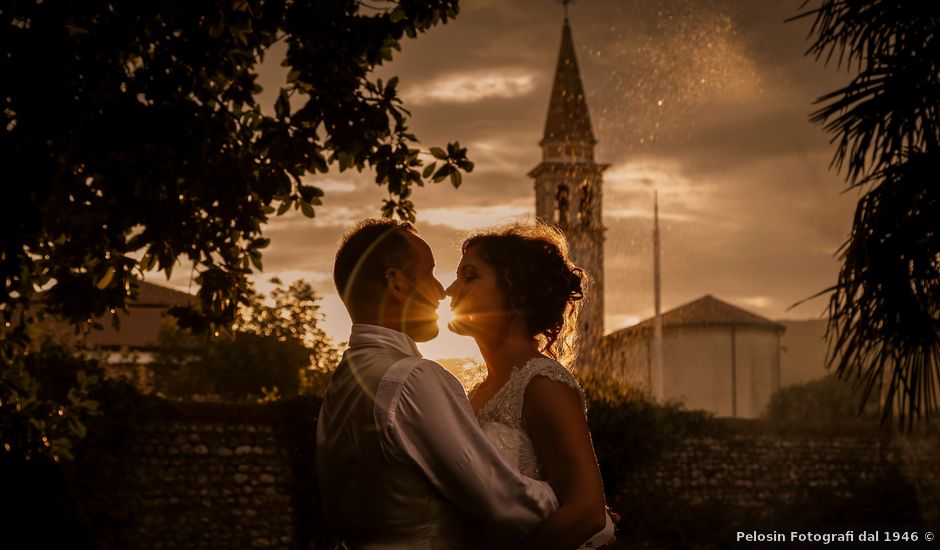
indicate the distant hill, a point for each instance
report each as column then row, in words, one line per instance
column 803, row 351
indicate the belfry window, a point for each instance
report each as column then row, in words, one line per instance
column 586, row 204
column 562, row 200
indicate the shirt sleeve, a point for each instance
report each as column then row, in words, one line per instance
column 429, row 420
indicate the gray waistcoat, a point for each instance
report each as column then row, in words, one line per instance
column 369, row 499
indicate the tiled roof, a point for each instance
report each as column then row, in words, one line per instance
column 140, row 326
column 156, row 295
column 704, row 312
column 138, row 329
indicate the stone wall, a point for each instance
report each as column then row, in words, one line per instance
column 207, row 476
column 226, row 476
column 762, row 471
column 745, row 474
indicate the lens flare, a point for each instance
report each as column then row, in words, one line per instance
column 444, row 316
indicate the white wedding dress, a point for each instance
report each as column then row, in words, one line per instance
column 502, row 421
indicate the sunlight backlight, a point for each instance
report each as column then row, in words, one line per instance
column 472, row 87
column 471, row 218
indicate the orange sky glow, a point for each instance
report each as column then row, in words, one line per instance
column 705, row 101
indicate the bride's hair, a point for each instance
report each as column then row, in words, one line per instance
column 538, row 280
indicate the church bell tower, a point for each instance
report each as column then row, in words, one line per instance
column 568, row 191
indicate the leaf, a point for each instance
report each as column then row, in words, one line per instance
column 282, row 105
column 284, row 206
column 396, row 15
column 390, row 86
column 308, row 193
column 260, row 242
column 217, row 24
column 105, row 279
column 429, row 169
column 442, row 173
column 62, row 447
column 80, row 429
column 438, row 153
column 455, row 178
column 306, row 209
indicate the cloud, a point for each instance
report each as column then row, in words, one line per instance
column 336, row 186
column 477, row 217
column 471, row 87
column 748, row 208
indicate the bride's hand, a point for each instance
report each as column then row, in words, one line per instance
column 614, row 516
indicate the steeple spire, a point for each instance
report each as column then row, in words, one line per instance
column 568, row 120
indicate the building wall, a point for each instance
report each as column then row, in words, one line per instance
column 698, row 367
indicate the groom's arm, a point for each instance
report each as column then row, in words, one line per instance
column 428, row 419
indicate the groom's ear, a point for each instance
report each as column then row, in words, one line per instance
column 397, row 285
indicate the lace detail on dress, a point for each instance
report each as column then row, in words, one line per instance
column 506, row 404
column 501, row 417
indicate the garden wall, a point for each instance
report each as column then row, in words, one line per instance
column 241, row 476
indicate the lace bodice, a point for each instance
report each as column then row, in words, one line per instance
column 502, row 420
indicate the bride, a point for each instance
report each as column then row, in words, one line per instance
column 516, row 294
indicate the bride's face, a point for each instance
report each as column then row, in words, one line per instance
column 476, row 299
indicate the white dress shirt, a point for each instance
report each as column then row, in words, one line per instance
column 423, row 418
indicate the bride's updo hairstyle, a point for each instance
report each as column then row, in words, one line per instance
column 537, row 280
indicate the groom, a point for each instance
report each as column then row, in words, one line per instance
column 401, row 459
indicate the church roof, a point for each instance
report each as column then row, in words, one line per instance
column 568, row 118
column 707, row 311
column 140, row 326
column 156, row 295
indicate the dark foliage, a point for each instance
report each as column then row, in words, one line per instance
column 884, row 310
column 629, row 430
column 826, row 400
column 131, row 137
column 276, row 350
column 229, row 368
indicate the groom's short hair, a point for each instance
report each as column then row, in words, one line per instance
column 365, row 255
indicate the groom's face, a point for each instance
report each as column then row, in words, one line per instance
column 422, row 293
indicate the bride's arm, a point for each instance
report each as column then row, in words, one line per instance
column 556, row 423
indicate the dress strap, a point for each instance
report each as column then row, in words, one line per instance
column 541, row 366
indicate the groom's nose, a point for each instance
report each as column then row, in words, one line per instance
column 441, row 293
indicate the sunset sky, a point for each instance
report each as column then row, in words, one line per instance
column 706, row 101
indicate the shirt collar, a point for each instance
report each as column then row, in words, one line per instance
column 363, row 334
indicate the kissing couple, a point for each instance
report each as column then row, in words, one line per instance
column 405, row 459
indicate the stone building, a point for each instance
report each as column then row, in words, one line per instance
column 716, row 357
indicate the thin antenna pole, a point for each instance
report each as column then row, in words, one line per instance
column 657, row 382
